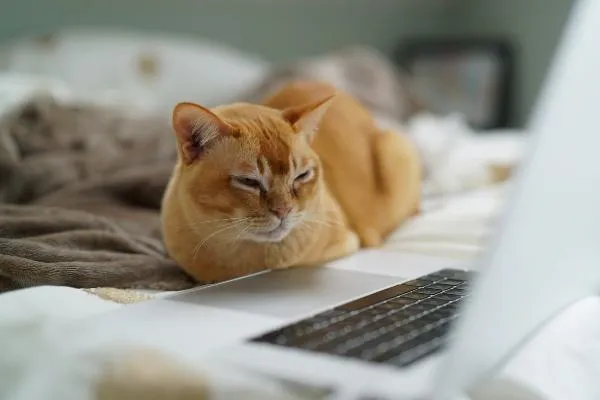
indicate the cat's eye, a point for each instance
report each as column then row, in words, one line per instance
column 247, row 182
column 304, row 176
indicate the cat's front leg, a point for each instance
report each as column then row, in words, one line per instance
column 370, row 237
column 343, row 244
column 347, row 244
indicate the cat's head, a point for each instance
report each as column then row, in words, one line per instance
column 250, row 167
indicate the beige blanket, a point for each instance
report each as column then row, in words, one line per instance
column 80, row 192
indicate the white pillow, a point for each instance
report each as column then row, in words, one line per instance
column 154, row 70
column 458, row 158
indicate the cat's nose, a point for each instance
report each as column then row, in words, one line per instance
column 281, row 211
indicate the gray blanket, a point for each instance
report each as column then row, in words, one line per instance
column 80, row 193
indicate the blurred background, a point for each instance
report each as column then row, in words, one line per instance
column 108, row 39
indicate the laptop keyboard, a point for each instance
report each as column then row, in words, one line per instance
column 398, row 325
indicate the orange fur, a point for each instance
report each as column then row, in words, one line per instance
column 212, row 224
column 241, row 200
column 375, row 176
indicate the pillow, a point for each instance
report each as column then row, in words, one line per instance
column 154, row 70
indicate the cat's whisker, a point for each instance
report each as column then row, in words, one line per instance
column 218, row 220
column 198, row 247
column 193, row 225
column 310, row 228
column 242, row 231
column 334, row 220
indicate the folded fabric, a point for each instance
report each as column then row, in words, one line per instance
column 80, row 195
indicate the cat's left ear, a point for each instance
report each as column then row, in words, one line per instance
column 196, row 127
column 306, row 118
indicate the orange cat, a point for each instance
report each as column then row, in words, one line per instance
column 248, row 193
column 374, row 176
column 257, row 188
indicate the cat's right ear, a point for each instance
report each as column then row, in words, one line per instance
column 306, row 118
column 196, row 127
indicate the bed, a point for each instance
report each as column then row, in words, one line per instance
column 468, row 174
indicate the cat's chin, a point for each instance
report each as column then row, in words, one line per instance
column 274, row 236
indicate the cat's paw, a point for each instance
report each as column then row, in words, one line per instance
column 370, row 238
column 353, row 242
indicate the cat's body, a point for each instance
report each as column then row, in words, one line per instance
column 256, row 187
column 375, row 176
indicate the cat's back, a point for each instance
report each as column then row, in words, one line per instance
column 344, row 112
column 374, row 175
column 344, row 139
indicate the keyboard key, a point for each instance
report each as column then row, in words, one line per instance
column 421, row 282
column 398, row 346
column 394, row 304
column 459, row 291
column 409, row 357
column 401, row 301
column 417, row 308
column 448, row 297
column 415, row 296
column 429, row 291
column 440, row 286
column 452, row 282
column 375, row 298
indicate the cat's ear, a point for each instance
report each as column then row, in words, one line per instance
column 306, row 118
column 195, row 127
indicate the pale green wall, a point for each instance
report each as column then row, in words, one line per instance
column 285, row 29
column 534, row 25
column 276, row 29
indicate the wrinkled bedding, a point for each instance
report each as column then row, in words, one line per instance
column 80, row 194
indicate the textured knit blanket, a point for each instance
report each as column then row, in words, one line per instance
column 80, row 194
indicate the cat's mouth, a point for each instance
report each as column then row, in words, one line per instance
column 276, row 234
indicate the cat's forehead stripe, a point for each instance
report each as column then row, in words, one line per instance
column 277, row 154
column 263, row 167
column 292, row 163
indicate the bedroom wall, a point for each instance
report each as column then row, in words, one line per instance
column 276, row 29
column 281, row 30
column 534, row 25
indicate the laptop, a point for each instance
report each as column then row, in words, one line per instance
column 376, row 326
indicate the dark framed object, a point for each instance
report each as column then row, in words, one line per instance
column 467, row 76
